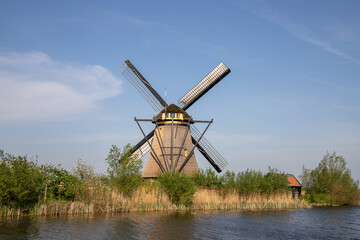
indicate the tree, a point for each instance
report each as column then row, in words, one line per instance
column 83, row 171
column 331, row 181
column 124, row 169
column 89, row 186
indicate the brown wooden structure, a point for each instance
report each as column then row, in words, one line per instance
column 294, row 185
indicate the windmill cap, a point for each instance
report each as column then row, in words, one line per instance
column 173, row 109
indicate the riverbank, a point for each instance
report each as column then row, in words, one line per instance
column 153, row 198
column 324, row 205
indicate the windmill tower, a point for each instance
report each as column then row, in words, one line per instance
column 175, row 137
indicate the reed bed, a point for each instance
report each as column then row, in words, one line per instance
column 212, row 199
column 152, row 197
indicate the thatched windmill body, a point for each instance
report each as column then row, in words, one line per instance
column 172, row 142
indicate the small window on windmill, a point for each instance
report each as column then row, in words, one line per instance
column 186, row 153
column 175, row 116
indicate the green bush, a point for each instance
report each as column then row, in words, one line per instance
column 229, row 180
column 320, row 198
column 61, row 185
column 252, row 181
column 179, row 187
column 21, row 181
column 124, row 170
column 249, row 181
column 274, row 181
column 207, row 178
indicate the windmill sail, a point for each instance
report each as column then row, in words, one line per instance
column 143, row 147
column 207, row 150
column 144, row 88
column 218, row 73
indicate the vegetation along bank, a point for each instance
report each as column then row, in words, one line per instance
column 28, row 188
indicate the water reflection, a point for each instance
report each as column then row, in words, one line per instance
column 11, row 228
column 316, row 223
column 151, row 225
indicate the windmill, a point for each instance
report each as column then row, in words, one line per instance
column 173, row 141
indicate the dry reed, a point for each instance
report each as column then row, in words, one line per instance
column 150, row 196
column 212, row 199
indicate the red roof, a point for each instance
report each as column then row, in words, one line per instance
column 293, row 182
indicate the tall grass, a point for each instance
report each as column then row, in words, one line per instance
column 213, row 199
column 150, row 196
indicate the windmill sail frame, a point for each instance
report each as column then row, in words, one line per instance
column 209, row 81
column 142, row 86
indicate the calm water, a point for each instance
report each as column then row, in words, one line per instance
column 315, row 223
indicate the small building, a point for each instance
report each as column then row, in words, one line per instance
column 294, row 185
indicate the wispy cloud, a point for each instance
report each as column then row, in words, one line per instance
column 34, row 86
column 339, row 87
column 297, row 30
column 344, row 32
column 185, row 37
column 326, row 46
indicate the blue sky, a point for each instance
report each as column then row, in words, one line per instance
column 293, row 93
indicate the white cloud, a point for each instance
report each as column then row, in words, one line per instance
column 34, row 86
